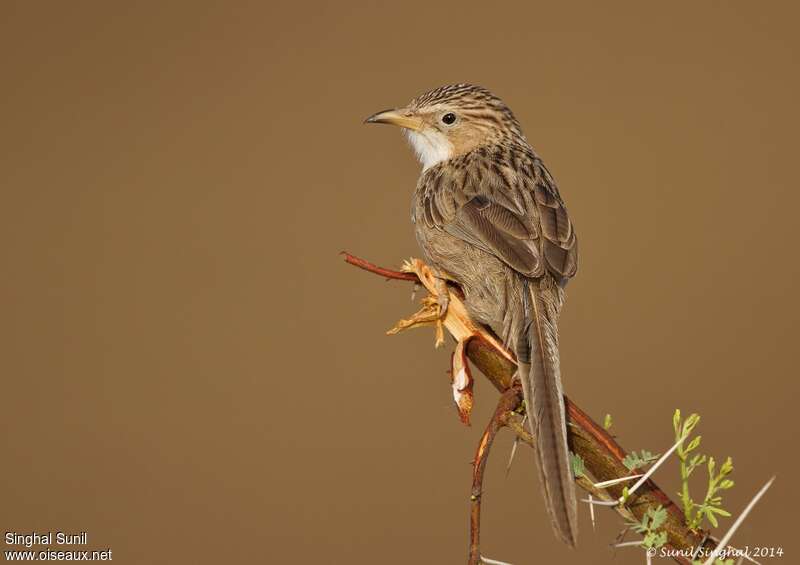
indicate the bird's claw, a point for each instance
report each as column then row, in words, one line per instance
column 442, row 295
column 431, row 313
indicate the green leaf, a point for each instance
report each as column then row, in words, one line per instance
column 689, row 424
column 695, row 462
column 657, row 517
column 578, row 466
column 653, row 539
column 607, row 422
column 694, row 444
column 636, row 460
column 719, row 511
column 711, row 518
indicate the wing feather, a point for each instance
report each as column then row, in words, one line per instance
column 517, row 216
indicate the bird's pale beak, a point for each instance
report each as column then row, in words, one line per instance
column 401, row 118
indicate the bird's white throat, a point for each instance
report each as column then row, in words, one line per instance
column 431, row 147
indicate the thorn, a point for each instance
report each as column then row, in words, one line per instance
column 594, row 502
column 514, row 448
column 655, row 466
column 727, row 537
column 628, row 544
column 621, row 535
column 591, row 511
column 611, row 482
column 492, row 561
column 511, row 457
column 699, row 546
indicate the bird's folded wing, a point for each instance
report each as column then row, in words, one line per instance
column 517, row 217
column 499, row 231
column 560, row 245
column 515, row 239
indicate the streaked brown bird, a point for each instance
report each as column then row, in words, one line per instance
column 488, row 216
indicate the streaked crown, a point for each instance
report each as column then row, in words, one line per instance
column 454, row 120
column 475, row 104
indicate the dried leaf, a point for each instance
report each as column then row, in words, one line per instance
column 461, row 378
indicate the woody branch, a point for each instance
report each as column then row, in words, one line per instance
column 602, row 455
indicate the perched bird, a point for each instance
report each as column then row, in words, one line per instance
column 488, row 216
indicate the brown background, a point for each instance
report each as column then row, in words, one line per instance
column 191, row 375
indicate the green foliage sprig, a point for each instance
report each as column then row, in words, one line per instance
column 578, row 465
column 690, row 460
column 653, row 519
column 635, row 460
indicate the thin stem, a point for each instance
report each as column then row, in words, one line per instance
column 509, row 401
column 382, row 271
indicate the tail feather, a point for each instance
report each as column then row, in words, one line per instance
column 541, row 382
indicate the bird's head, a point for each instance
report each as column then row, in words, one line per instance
column 452, row 120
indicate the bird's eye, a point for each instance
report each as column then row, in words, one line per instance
column 449, row 118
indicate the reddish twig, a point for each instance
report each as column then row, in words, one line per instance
column 372, row 268
column 509, row 401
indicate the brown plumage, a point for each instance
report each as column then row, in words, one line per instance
column 488, row 216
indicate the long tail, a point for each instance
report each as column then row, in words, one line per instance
column 541, row 382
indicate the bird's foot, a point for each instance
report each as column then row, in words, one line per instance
column 429, row 314
column 434, row 279
column 434, row 306
column 442, row 294
column 444, row 308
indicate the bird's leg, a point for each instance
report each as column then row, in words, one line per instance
column 442, row 296
column 429, row 314
column 444, row 307
column 442, row 293
column 434, row 306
